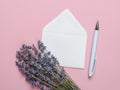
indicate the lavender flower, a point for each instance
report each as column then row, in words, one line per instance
column 42, row 69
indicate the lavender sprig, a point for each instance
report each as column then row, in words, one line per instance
column 42, row 69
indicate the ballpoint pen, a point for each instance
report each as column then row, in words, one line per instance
column 93, row 52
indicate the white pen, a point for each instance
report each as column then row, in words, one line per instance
column 93, row 52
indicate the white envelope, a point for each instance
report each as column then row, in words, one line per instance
column 66, row 39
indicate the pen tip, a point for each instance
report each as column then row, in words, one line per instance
column 97, row 26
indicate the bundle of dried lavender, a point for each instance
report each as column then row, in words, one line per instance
column 41, row 69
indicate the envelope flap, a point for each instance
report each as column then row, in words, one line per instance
column 65, row 23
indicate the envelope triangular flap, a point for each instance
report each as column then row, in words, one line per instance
column 66, row 39
column 65, row 23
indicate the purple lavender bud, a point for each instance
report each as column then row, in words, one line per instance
column 52, row 57
column 62, row 70
column 35, row 63
column 39, row 44
column 39, row 66
column 54, row 60
column 37, row 83
column 51, row 83
column 26, row 58
column 32, row 71
column 34, row 49
column 19, row 64
column 44, row 61
column 49, row 53
column 39, row 55
column 31, row 62
column 23, row 46
column 41, row 87
column 43, row 48
column 27, row 78
column 18, row 54
column 29, row 47
column 22, row 69
column 34, row 83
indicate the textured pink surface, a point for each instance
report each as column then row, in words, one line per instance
column 21, row 21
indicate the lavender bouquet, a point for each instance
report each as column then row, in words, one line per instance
column 41, row 69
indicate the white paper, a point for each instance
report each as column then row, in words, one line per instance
column 66, row 39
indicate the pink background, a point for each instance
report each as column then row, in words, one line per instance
column 21, row 21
